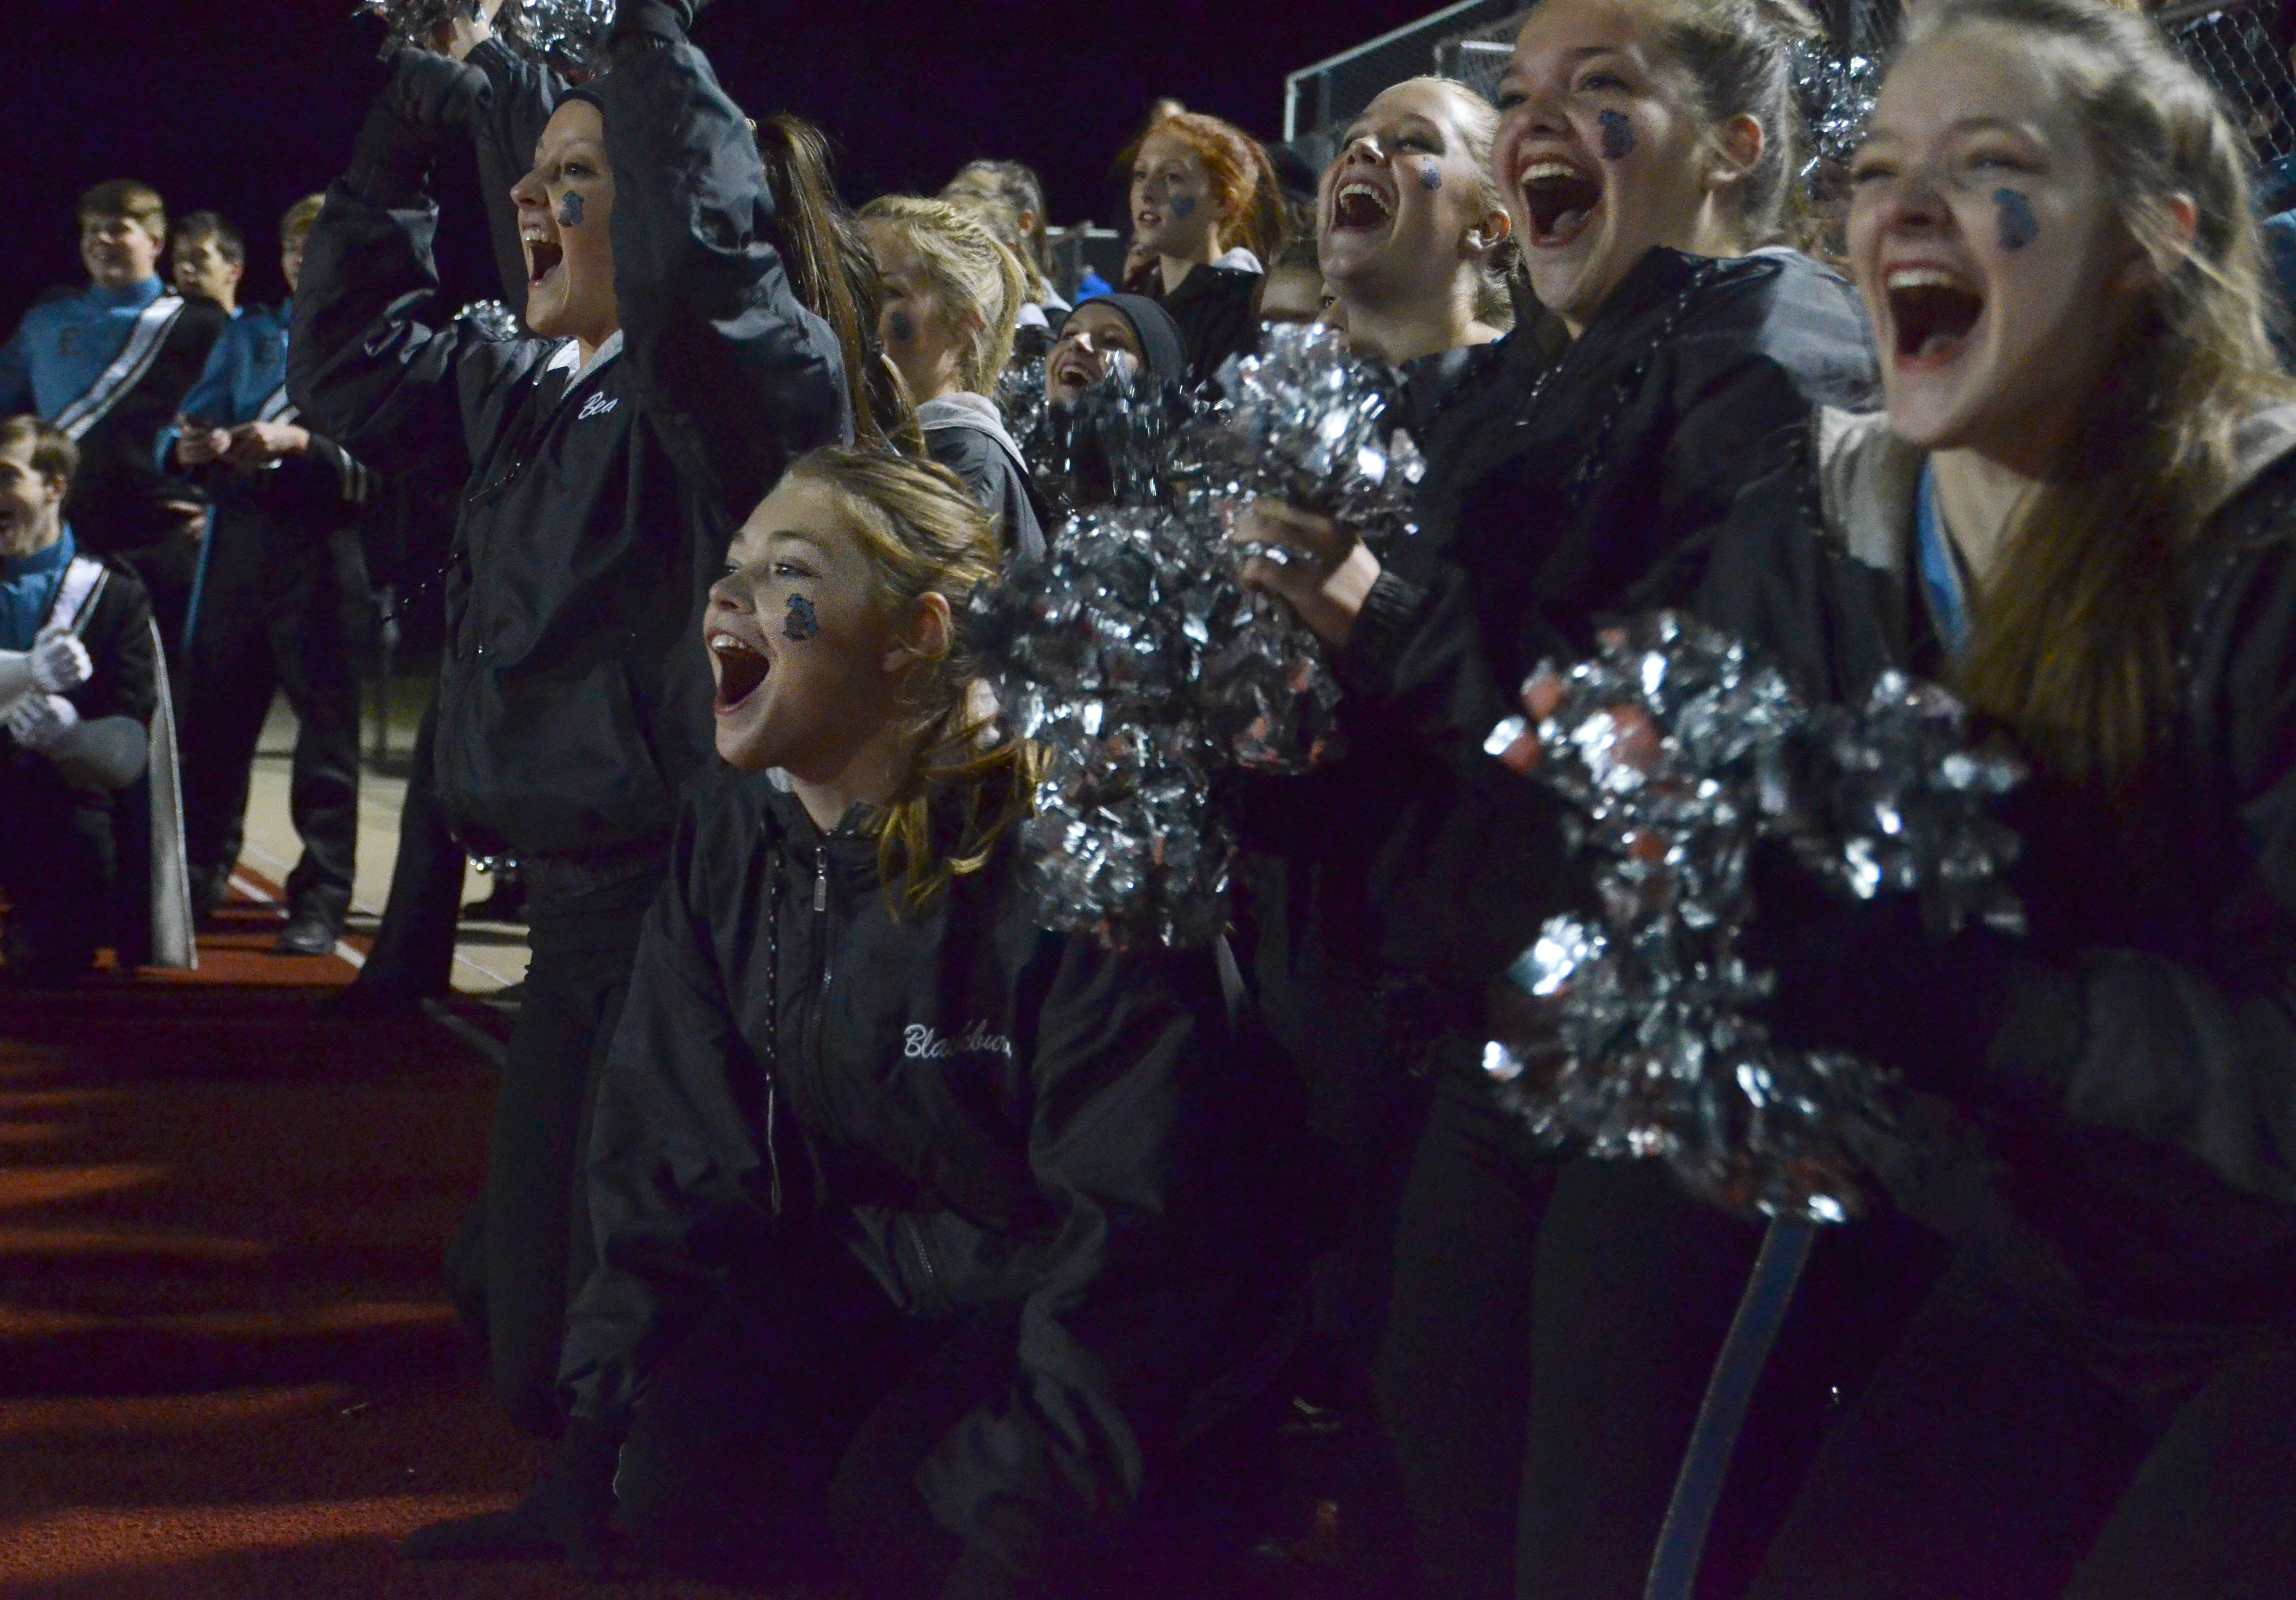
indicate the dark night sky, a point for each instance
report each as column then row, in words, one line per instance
column 244, row 106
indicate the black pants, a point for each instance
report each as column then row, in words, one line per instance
column 1985, row 1463
column 1550, row 1336
column 56, row 866
column 169, row 569
column 791, row 1423
column 538, row 1250
column 277, row 611
column 414, row 951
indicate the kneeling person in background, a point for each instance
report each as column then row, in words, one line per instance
column 79, row 683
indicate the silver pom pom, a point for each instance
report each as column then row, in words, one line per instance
column 1836, row 94
column 1635, row 1032
column 493, row 320
column 563, row 35
column 1139, row 659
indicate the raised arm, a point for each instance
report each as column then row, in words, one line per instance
column 739, row 375
column 375, row 362
column 519, row 97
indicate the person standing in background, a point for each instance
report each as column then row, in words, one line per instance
column 1010, row 198
column 208, row 259
column 79, row 683
column 1205, row 215
column 952, row 297
column 281, row 604
column 108, row 365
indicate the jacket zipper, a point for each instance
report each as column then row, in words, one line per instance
column 913, row 1233
column 774, row 1038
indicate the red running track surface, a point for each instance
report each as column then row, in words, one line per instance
column 227, row 1368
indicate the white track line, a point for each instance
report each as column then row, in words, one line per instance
column 279, row 870
column 255, row 891
column 475, row 1038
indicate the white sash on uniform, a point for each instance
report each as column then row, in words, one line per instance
column 128, row 369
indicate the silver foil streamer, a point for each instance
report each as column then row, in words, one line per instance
column 1634, row 1030
column 492, row 319
column 1304, row 420
column 1836, row 93
column 1138, row 658
column 1020, row 397
column 565, row 36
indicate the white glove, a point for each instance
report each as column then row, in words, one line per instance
column 41, row 722
column 60, row 662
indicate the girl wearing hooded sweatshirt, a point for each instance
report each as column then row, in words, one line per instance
column 1646, row 157
column 671, row 375
column 1206, row 213
column 2075, row 510
column 1128, row 336
column 952, row 295
column 912, row 1218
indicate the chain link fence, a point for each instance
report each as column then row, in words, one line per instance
column 2239, row 48
column 1320, row 100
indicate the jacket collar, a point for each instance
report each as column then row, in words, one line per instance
column 134, row 297
column 567, row 358
column 1867, row 476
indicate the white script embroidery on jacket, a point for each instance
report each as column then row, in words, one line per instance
column 921, row 1043
column 597, row 404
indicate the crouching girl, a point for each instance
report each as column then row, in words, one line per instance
column 910, row 1215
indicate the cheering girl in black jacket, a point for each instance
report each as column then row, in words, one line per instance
column 2076, row 511
column 1647, row 155
column 905, row 1207
column 673, row 377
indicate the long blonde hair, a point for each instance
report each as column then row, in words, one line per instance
column 2074, row 639
column 1478, row 122
column 1009, row 190
column 965, row 782
column 1738, row 57
column 978, row 284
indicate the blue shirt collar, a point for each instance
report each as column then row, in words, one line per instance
column 55, row 558
column 138, row 296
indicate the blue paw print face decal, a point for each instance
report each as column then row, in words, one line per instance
column 569, row 210
column 1617, row 135
column 800, row 624
column 2015, row 214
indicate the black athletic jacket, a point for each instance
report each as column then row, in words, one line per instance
column 574, row 700
column 1564, row 483
column 2124, row 1151
column 985, row 1112
column 1217, row 308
